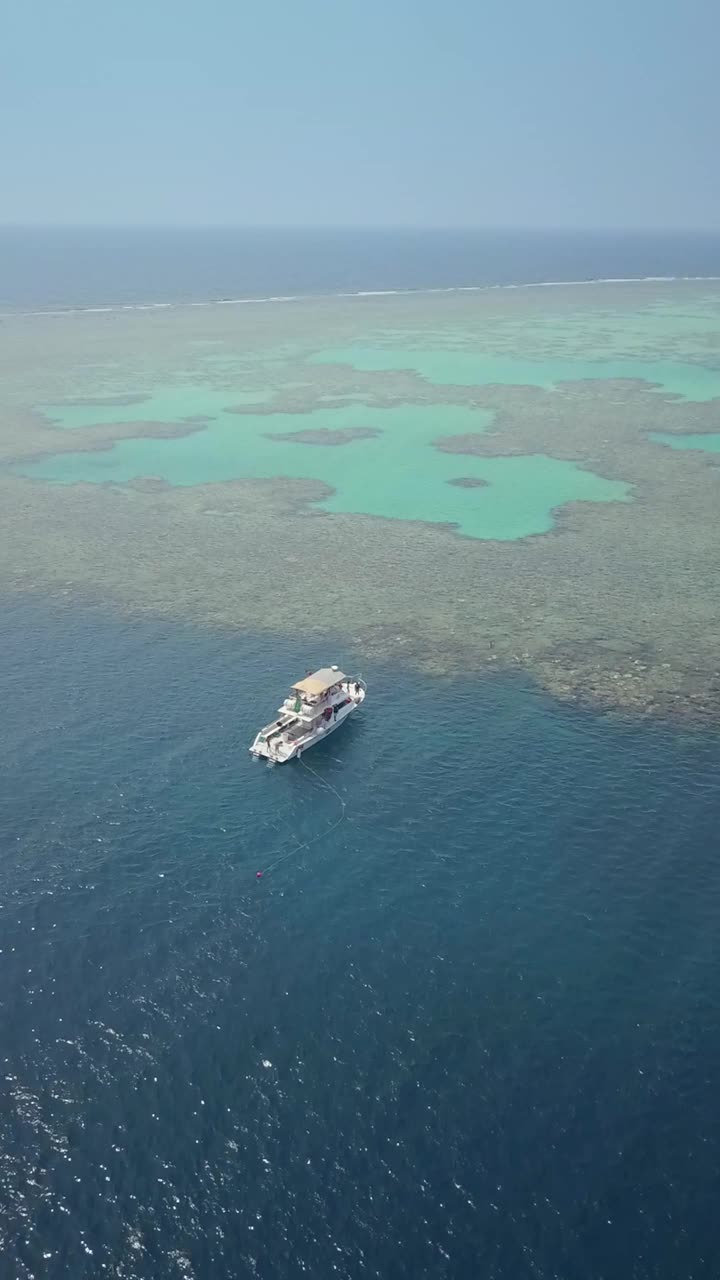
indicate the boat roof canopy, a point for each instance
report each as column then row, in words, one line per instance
column 319, row 682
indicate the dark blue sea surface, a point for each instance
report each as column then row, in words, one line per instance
column 473, row 1031
column 42, row 268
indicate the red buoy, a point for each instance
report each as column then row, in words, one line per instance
column 259, row 875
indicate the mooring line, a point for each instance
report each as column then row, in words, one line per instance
column 307, row 844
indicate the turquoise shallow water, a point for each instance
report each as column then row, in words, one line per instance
column 472, row 368
column 470, row 1032
column 395, row 471
column 709, row 442
column 396, row 474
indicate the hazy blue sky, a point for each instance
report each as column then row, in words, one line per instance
column 383, row 112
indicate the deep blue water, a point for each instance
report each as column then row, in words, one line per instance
column 472, row 1032
column 76, row 267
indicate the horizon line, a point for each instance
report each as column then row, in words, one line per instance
column 515, row 229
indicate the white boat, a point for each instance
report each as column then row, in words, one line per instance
column 314, row 708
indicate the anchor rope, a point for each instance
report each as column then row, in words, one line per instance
column 307, row 844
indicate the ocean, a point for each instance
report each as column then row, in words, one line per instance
column 468, row 1026
column 43, row 268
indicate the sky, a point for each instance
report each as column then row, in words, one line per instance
column 487, row 113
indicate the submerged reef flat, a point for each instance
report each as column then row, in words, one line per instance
column 528, row 514
column 324, row 435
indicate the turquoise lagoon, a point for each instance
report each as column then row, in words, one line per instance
column 396, row 473
column 376, row 461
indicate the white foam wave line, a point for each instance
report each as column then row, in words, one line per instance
column 361, row 293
